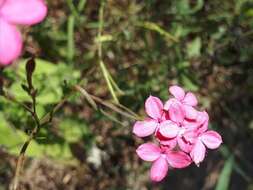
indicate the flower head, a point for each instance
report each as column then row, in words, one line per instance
column 181, row 130
column 12, row 13
column 155, row 112
column 162, row 158
column 182, row 105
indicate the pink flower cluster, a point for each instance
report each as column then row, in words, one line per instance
column 12, row 13
column 181, row 130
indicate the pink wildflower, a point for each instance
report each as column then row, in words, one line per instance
column 154, row 109
column 162, row 159
column 181, row 130
column 182, row 105
column 185, row 134
column 209, row 139
column 12, row 13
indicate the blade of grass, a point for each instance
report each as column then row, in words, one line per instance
column 225, row 153
column 81, row 5
column 105, row 72
column 71, row 41
column 118, row 108
column 224, row 179
column 128, row 110
column 154, row 27
column 107, row 79
column 115, row 85
column 72, row 8
column 113, row 107
column 112, row 118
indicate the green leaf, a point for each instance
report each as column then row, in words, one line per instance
column 193, row 48
column 224, row 179
column 188, row 83
column 73, row 130
column 184, row 8
column 9, row 136
column 155, row 27
column 13, row 139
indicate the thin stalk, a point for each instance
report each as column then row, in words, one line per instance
column 81, row 5
column 105, row 72
column 72, row 8
column 33, row 135
column 71, row 40
column 113, row 106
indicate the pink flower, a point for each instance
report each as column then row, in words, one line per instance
column 184, row 134
column 12, row 13
column 192, row 128
column 209, row 139
column 182, row 105
column 174, row 135
column 154, row 109
column 162, row 159
column 181, row 130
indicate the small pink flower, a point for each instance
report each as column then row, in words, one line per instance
column 162, row 159
column 209, row 139
column 181, row 130
column 203, row 138
column 191, row 130
column 12, row 13
column 154, row 109
column 185, row 134
column 182, row 105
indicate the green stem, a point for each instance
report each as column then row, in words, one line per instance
column 105, row 72
column 71, row 40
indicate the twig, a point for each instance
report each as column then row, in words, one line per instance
column 113, row 106
column 21, row 157
column 33, row 134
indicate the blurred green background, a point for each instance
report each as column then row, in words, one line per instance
column 204, row 46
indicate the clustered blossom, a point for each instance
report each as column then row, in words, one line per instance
column 180, row 130
column 13, row 13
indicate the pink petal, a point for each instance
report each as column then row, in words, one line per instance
column 159, row 169
column 148, row 152
column 202, row 117
column 184, row 146
column 177, row 113
column 170, row 102
column 144, row 128
column 178, row 159
column 10, row 43
column 154, row 107
column 211, row 139
column 25, row 12
column 190, row 124
column 198, row 152
column 190, row 112
column 203, row 120
column 190, row 99
column 190, row 136
column 1, row 2
column 169, row 129
column 171, row 143
column 177, row 92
